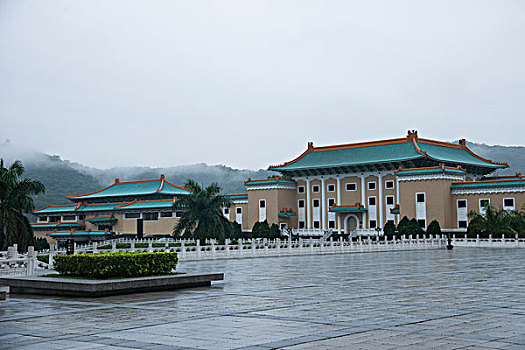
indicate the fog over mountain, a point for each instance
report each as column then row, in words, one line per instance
column 63, row 177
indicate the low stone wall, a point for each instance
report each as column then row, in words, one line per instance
column 99, row 288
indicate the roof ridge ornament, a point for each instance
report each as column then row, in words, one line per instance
column 310, row 146
column 412, row 135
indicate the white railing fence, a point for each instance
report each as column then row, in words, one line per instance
column 14, row 264
column 503, row 242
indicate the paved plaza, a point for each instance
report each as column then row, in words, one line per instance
column 470, row 298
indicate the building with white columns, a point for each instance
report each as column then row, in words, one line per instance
column 362, row 186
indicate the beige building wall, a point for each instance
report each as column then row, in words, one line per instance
column 496, row 200
column 350, row 197
column 438, row 200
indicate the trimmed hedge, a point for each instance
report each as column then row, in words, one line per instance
column 116, row 264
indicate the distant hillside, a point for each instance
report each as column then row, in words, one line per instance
column 62, row 177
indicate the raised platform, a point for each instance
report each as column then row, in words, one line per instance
column 97, row 288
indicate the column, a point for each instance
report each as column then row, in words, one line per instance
column 397, row 199
column 308, row 209
column 363, row 200
column 380, row 202
column 339, row 203
column 323, row 204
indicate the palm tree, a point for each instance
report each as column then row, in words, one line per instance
column 493, row 222
column 15, row 203
column 202, row 212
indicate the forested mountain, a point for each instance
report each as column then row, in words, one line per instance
column 62, row 177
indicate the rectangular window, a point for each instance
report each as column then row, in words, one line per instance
column 420, row 197
column 331, row 188
column 373, row 224
column 178, row 214
column 166, row 214
column 239, row 210
column 462, row 224
column 301, row 203
column 483, row 203
column 54, row 218
column 42, row 218
column 132, row 216
column 422, row 223
column 69, row 217
column 301, row 224
column 300, row 189
column 389, row 184
column 371, row 186
column 81, row 217
column 317, row 224
column 316, row 203
column 226, row 211
column 262, row 203
column 371, row 200
column 389, row 200
column 315, row 188
column 351, row 186
column 331, row 224
column 331, row 201
column 462, row 203
column 151, row 216
column 508, row 203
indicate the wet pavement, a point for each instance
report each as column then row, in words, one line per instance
column 469, row 298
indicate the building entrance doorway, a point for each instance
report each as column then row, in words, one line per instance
column 351, row 224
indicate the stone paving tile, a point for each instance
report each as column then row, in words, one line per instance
column 467, row 298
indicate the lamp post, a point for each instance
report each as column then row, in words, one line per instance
column 449, row 242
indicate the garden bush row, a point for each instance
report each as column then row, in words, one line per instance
column 116, row 264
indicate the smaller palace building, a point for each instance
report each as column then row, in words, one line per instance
column 350, row 189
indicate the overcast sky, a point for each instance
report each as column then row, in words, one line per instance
column 249, row 83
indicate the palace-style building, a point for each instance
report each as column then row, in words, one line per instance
column 349, row 189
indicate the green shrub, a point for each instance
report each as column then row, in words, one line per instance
column 40, row 244
column 43, row 258
column 434, row 228
column 390, row 229
column 116, row 264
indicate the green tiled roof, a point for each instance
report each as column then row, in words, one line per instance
column 483, row 184
column 269, row 182
column 147, row 205
column 395, row 150
column 56, row 209
column 347, row 209
column 102, row 219
column 56, row 225
column 98, row 207
column 78, row 233
column 135, row 188
column 435, row 170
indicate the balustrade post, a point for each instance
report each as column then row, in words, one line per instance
column 132, row 246
column 182, row 249
column 240, row 248
column 278, row 246
column 290, row 242
column 31, row 261
column 95, row 247
column 490, row 239
column 113, row 246
column 11, row 253
column 227, row 246
column 150, row 246
column 253, row 247
column 198, row 248
column 213, row 252
column 341, row 244
column 385, row 239
column 332, row 244
column 503, row 239
column 300, row 245
column 311, row 246
column 516, row 239
column 51, row 258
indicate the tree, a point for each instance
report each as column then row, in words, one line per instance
column 403, row 226
column 492, row 222
column 261, row 229
column 434, row 228
column 201, row 212
column 390, row 229
column 15, row 202
column 275, row 232
column 236, row 230
column 414, row 228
